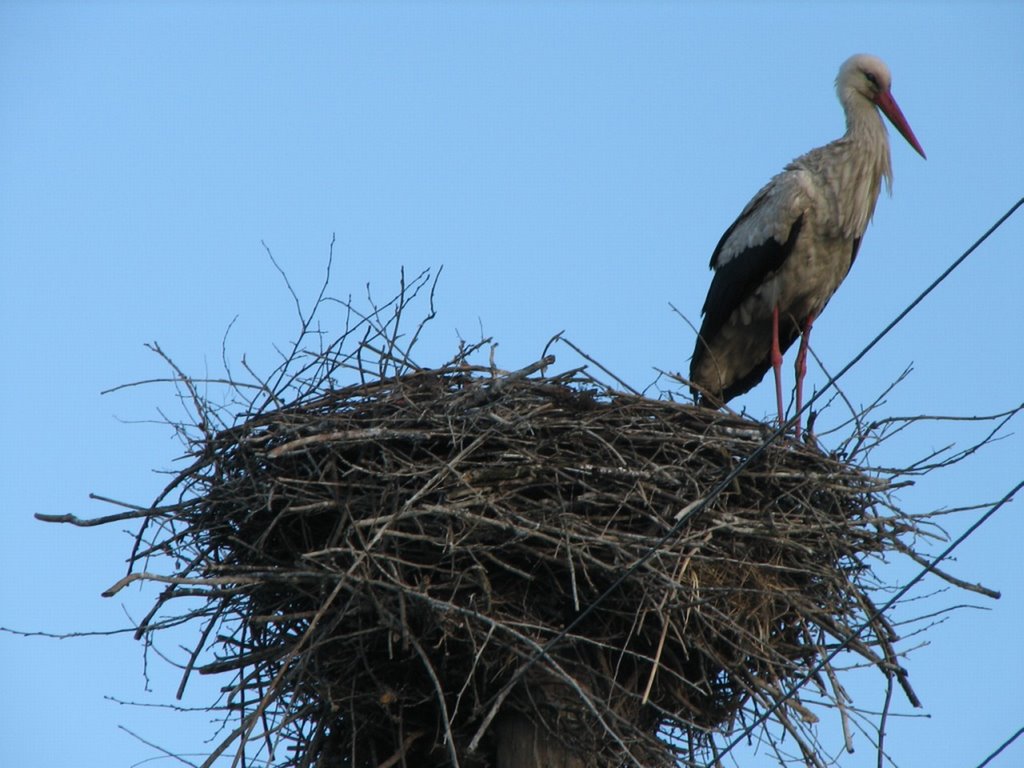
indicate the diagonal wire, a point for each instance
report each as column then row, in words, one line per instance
column 867, row 623
column 689, row 512
column 1000, row 748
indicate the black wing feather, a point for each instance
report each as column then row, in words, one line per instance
column 740, row 276
column 853, row 255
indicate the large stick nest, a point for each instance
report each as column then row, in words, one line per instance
column 391, row 555
column 386, row 570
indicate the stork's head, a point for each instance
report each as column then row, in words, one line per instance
column 865, row 77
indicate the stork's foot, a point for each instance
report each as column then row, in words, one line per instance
column 808, row 436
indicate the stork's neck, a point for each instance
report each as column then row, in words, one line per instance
column 869, row 140
column 852, row 168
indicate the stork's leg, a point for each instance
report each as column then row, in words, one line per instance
column 801, row 369
column 777, row 364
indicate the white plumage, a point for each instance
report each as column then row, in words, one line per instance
column 779, row 263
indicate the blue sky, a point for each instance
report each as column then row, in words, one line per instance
column 572, row 166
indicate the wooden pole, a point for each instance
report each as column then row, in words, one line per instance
column 522, row 744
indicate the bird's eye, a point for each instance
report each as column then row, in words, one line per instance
column 871, row 79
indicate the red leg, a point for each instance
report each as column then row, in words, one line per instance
column 801, row 369
column 777, row 365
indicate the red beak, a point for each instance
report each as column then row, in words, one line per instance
column 888, row 105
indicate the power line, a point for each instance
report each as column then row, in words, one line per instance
column 1000, row 748
column 689, row 512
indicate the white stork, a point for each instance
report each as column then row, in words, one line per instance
column 779, row 263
